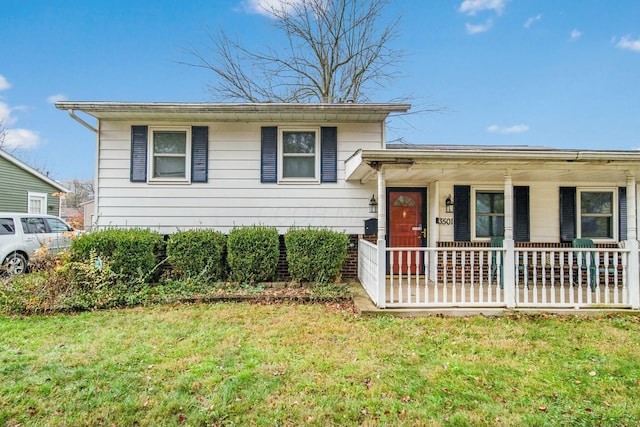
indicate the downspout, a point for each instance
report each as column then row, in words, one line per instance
column 96, row 186
column 95, row 178
column 82, row 122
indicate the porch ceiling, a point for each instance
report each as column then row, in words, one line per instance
column 471, row 164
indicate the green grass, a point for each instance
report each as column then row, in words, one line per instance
column 287, row 364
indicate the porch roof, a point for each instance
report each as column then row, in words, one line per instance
column 406, row 162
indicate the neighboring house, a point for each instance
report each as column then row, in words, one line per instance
column 24, row 189
column 87, row 214
column 457, row 226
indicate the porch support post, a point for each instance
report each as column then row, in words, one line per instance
column 382, row 244
column 508, row 205
column 633, row 266
column 509, row 245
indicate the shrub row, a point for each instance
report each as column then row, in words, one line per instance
column 134, row 255
column 246, row 255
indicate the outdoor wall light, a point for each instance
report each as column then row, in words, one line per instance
column 373, row 204
column 448, row 204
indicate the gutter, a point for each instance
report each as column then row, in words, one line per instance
column 395, row 156
column 73, row 115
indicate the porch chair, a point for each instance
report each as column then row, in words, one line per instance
column 497, row 262
column 584, row 264
column 498, row 242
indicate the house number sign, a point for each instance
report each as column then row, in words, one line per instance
column 444, row 221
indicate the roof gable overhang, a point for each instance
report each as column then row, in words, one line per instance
column 236, row 112
column 33, row 172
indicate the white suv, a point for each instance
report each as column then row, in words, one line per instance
column 22, row 234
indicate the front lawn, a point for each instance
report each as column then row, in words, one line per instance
column 289, row 364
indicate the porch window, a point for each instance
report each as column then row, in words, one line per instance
column 596, row 219
column 489, row 213
column 298, row 151
column 170, row 150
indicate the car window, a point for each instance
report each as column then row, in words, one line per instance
column 57, row 226
column 33, row 225
column 7, row 226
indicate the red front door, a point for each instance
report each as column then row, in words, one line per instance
column 406, row 213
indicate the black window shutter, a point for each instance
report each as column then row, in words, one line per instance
column 138, row 154
column 521, row 218
column 461, row 213
column 567, row 214
column 199, row 154
column 622, row 213
column 329, row 153
column 269, row 154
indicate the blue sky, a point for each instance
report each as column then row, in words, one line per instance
column 557, row 73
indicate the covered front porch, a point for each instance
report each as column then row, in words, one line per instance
column 527, row 256
column 483, row 277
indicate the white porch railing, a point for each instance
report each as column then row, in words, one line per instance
column 368, row 269
column 455, row 277
column 478, row 277
column 572, row 277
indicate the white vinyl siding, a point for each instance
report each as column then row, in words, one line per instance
column 233, row 195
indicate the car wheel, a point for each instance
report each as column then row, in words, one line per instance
column 15, row 264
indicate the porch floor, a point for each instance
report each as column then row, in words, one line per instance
column 366, row 307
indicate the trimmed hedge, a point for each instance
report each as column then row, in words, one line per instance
column 133, row 254
column 198, row 253
column 253, row 254
column 315, row 255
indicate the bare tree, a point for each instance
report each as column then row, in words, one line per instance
column 3, row 135
column 80, row 191
column 336, row 51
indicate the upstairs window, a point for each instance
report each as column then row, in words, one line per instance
column 298, row 155
column 170, row 159
column 169, row 154
column 299, row 160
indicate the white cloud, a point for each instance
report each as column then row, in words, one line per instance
column 55, row 98
column 532, row 20
column 15, row 137
column 4, row 84
column 507, row 130
column 472, row 7
column 264, row 6
column 575, row 34
column 479, row 28
column 24, row 139
column 6, row 119
column 627, row 43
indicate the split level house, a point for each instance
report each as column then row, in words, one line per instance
column 430, row 226
column 26, row 190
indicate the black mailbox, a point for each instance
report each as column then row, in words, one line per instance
column 370, row 226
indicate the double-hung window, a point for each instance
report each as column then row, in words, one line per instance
column 596, row 213
column 299, row 155
column 37, row 203
column 170, row 150
column 489, row 213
